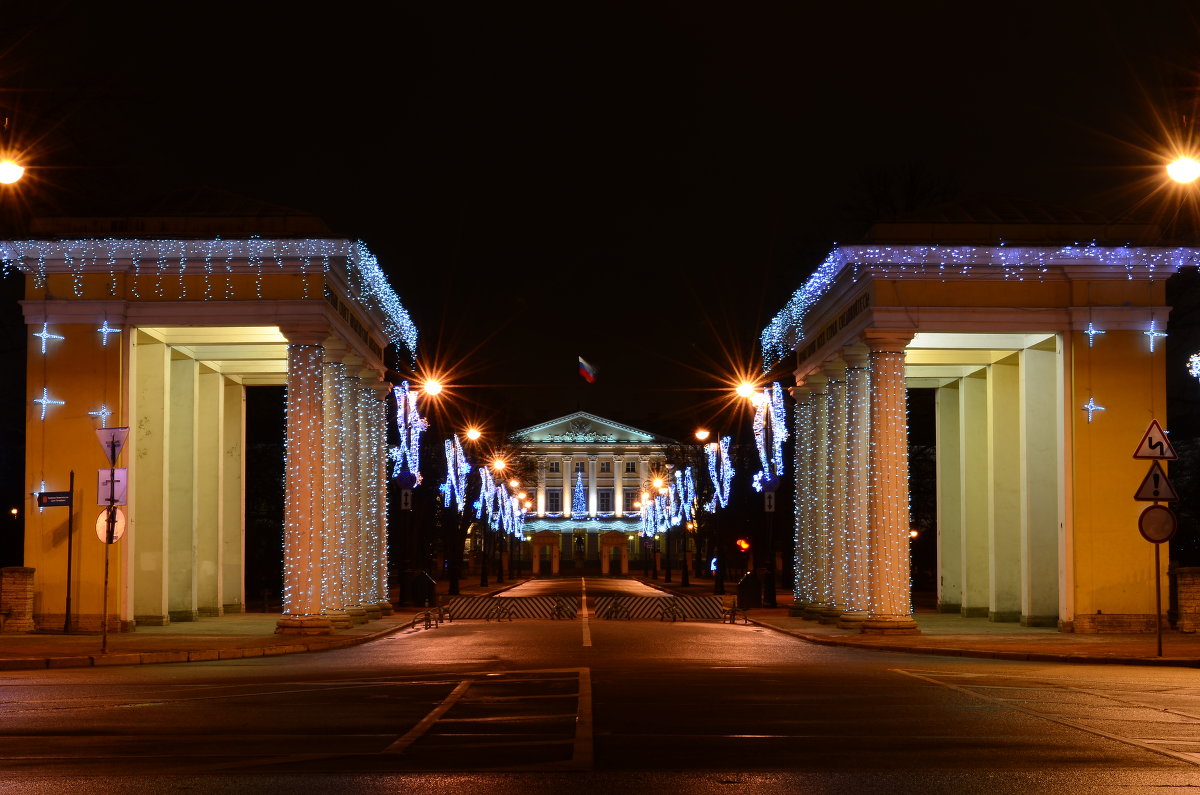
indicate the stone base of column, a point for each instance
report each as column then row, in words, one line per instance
column 340, row 619
column 797, row 609
column 829, row 615
column 851, row 621
column 890, row 625
column 358, row 614
column 813, row 612
column 303, row 625
column 374, row 612
column 386, row 609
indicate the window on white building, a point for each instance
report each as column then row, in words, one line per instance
column 604, row 499
column 631, row 466
column 631, row 496
column 605, row 467
column 553, row 467
column 579, row 466
column 553, row 500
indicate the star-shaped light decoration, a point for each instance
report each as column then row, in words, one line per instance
column 105, row 330
column 46, row 401
column 1152, row 334
column 103, row 413
column 46, row 335
column 1091, row 407
column 1091, row 332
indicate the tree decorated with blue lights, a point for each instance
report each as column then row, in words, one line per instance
column 579, row 499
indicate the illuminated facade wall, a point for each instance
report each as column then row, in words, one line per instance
column 609, row 459
column 1048, row 368
column 163, row 336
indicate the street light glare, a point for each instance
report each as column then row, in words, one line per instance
column 1183, row 170
column 498, row 464
column 473, row 434
column 10, row 171
column 432, row 387
column 702, row 435
column 745, row 389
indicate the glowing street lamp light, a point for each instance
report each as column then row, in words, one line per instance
column 746, row 389
column 10, row 171
column 1184, row 170
column 473, row 434
column 702, row 435
column 432, row 387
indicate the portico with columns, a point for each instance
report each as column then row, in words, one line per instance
column 611, row 462
column 1047, row 366
column 164, row 337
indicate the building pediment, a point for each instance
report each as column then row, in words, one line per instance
column 583, row 428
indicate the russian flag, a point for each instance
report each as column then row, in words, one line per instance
column 587, row 371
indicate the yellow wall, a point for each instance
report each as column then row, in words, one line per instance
column 86, row 375
column 1113, row 564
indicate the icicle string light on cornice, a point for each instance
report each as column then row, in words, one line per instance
column 217, row 260
column 1015, row 263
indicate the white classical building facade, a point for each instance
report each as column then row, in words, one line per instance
column 609, row 465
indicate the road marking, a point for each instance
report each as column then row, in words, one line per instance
column 1148, row 744
column 583, row 612
column 415, row 732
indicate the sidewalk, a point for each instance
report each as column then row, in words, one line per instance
column 253, row 635
column 952, row 635
column 228, row 637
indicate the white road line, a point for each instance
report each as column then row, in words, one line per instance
column 973, row 690
column 417, row 731
column 583, row 612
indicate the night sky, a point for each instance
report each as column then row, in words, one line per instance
column 641, row 183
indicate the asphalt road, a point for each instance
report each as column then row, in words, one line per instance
column 593, row 705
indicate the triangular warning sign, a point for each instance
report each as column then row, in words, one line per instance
column 1156, row 487
column 1155, row 444
column 112, row 440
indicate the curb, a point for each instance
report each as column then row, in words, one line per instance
column 192, row 655
column 987, row 654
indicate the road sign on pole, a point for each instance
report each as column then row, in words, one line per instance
column 1155, row 444
column 1155, row 487
column 769, row 501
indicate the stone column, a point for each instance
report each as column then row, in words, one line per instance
column 591, row 485
column 233, row 497
column 182, row 542
column 949, row 499
column 337, row 522
column 802, row 588
column 618, row 485
column 856, row 588
column 891, row 600
column 377, row 419
column 835, row 490
column 1041, row 453
column 568, row 485
column 819, row 514
column 304, row 506
column 541, row 492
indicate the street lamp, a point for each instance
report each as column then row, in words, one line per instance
column 1184, row 170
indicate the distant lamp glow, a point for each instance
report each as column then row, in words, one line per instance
column 914, row 533
column 745, row 389
column 431, row 387
column 498, row 464
column 702, row 435
column 473, row 434
column 10, row 171
column 1184, row 170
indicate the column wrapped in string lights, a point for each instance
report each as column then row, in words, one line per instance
column 820, row 506
column 890, row 588
column 334, row 560
column 804, row 585
column 304, row 510
column 855, row 601
column 377, row 409
column 835, row 490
